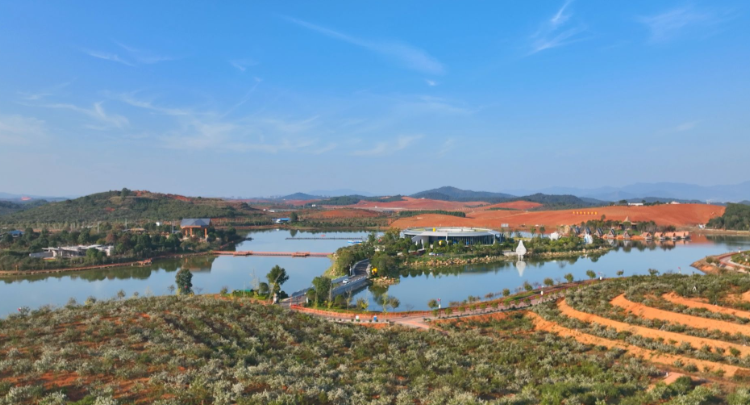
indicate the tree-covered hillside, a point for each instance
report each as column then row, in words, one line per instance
column 129, row 205
column 10, row 207
column 736, row 217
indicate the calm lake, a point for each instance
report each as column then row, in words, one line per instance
column 210, row 273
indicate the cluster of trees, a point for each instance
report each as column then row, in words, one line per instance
column 353, row 199
column 568, row 243
column 204, row 350
column 9, row 207
column 345, row 223
column 736, row 217
column 459, row 214
column 127, row 245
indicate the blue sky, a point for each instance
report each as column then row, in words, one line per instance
column 264, row 98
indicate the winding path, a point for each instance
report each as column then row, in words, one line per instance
column 649, row 355
column 656, row 334
column 694, row 303
column 647, row 312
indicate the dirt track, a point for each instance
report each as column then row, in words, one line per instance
column 680, row 215
column 644, row 311
column 691, row 303
column 648, row 355
column 696, row 342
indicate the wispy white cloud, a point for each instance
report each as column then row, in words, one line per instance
column 42, row 94
column 130, row 57
column 431, row 83
column 201, row 129
column 20, row 130
column 112, row 57
column 686, row 126
column 148, row 104
column 103, row 119
column 327, row 148
column 403, row 54
column 388, row 147
column 670, row 24
column 242, row 64
column 447, row 147
column 557, row 31
column 430, row 105
column 683, row 127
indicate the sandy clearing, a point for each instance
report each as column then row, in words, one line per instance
column 696, row 342
column 648, row 355
column 667, row 214
column 644, row 311
column 668, row 379
column 693, row 303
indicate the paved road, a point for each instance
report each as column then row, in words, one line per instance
column 726, row 260
column 424, row 321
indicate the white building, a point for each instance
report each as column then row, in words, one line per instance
column 72, row 251
column 520, row 250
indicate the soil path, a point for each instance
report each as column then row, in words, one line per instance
column 696, row 342
column 693, row 303
column 646, row 312
column 648, row 355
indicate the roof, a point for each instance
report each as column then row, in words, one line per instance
column 196, row 222
column 451, row 232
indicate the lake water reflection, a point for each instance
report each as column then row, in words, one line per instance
column 414, row 290
column 210, row 273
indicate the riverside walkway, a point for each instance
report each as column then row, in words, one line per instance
column 424, row 319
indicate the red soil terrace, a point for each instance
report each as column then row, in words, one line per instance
column 679, row 215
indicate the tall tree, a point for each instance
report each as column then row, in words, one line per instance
column 276, row 277
column 184, row 281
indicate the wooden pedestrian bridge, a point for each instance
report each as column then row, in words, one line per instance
column 254, row 253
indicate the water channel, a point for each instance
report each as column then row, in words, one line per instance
column 416, row 287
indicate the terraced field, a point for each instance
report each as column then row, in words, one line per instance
column 690, row 324
column 212, row 350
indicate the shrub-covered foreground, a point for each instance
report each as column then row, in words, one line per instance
column 202, row 350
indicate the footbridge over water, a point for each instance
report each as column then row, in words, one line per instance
column 359, row 277
column 254, row 253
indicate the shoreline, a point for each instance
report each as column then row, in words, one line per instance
column 497, row 259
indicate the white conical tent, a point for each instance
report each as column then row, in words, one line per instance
column 521, row 249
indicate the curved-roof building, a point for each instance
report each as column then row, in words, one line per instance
column 464, row 236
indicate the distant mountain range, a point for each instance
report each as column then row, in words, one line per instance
column 19, row 197
column 663, row 191
column 340, row 192
column 449, row 193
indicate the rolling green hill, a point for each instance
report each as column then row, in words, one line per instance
column 10, row 207
column 133, row 206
